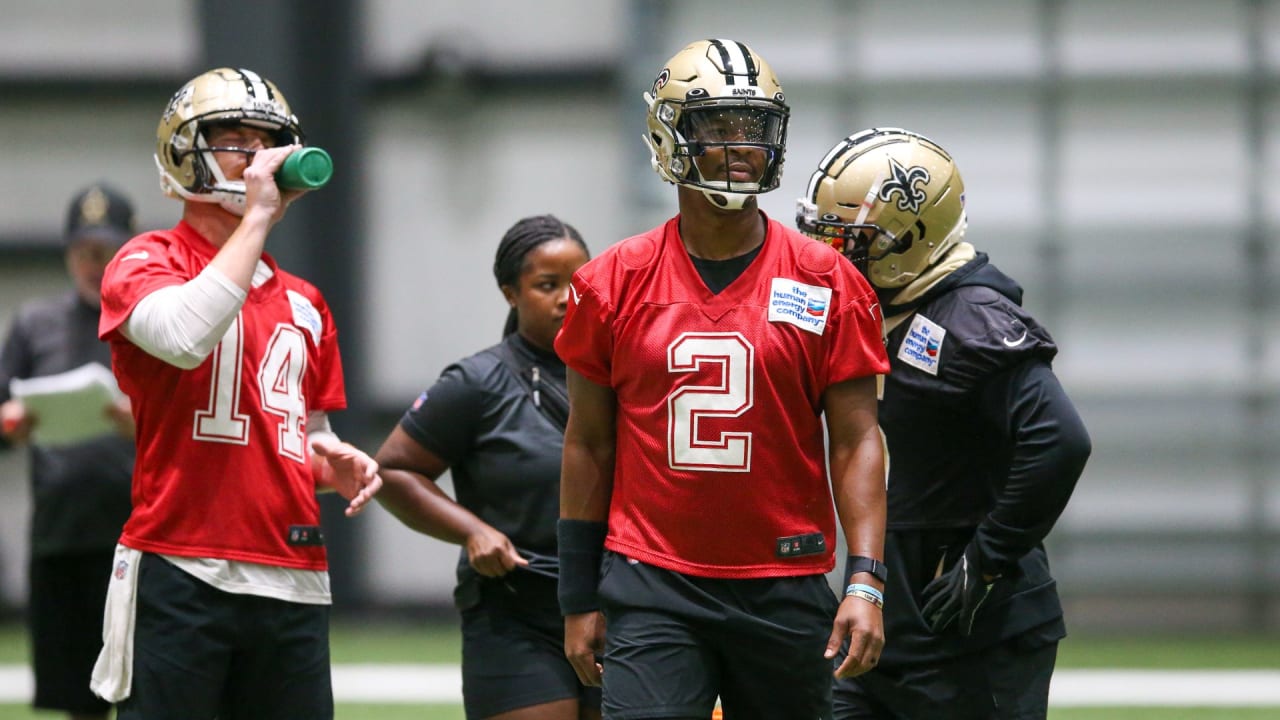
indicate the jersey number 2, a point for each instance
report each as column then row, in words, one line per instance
column 279, row 385
column 688, row 406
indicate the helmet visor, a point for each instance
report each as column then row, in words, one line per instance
column 715, row 125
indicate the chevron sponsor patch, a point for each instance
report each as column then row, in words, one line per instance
column 805, row 306
column 305, row 315
column 922, row 346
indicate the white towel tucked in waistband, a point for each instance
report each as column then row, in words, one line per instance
column 113, row 673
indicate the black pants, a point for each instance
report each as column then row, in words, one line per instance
column 675, row 642
column 64, row 617
column 201, row 653
column 1009, row 681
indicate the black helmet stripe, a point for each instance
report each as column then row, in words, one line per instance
column 824, row 167
column 737, row 62
column 752, row 71
column 254, row 85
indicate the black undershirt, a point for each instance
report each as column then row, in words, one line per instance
column 719, row 274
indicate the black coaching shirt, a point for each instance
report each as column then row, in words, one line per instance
column 503, row 452
column 80, row 492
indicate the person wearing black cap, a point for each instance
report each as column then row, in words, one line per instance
column 80, row 490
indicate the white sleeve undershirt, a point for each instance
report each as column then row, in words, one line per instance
column 318, row 427
column 182, row 324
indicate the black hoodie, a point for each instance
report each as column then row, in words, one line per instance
column 984, row 447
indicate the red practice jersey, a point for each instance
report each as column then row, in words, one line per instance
column 223, row 467
column 720, row 451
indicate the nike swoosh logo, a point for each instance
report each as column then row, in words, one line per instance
column 140, row 255
column 1014, row 343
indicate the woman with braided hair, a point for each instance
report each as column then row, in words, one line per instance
column 496, row 420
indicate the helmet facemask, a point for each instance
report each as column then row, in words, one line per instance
column 860, row 242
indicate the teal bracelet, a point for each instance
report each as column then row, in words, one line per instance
column 866, row 592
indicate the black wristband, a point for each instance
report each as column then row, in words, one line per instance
column 581, row 545
column 857, row 563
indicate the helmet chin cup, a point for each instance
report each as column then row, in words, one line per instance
column 232, row 202
column 725, row 200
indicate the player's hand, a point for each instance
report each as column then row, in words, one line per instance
column 353, row 474
column 15, row 422
column 260, row 190
column 957, row 594
column 862, row 624
column 583, row 643
column 491, row 553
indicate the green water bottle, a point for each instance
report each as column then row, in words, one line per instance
column 308, row 168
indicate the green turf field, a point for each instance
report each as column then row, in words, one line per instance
column 424, row 643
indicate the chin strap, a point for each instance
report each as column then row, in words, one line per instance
column 724, row 200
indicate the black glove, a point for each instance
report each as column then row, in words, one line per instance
column 957, row 593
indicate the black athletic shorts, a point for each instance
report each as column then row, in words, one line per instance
column 1009, row 681
column 200, row 653
column 64, row 618
column 675, row 642
column 513, row 649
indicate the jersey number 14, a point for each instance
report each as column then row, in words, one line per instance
column 279, row 380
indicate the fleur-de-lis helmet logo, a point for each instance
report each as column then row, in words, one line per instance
column 904, row 182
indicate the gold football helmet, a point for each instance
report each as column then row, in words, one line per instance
column 225, row 95
column 718, row 122
column 891, row 200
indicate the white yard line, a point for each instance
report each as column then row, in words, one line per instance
column 397, row 683
column 408, row 684
column 1167, row 688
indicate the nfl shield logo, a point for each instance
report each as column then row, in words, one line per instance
column 122, row 569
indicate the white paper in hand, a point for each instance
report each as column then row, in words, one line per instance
column 70, row 406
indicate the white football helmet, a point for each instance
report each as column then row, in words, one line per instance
column 891, row 200
column 714, row 101
column 225, row 95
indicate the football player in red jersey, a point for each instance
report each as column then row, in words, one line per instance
column 219, row 598
column 697, row 516
column 985, row 446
